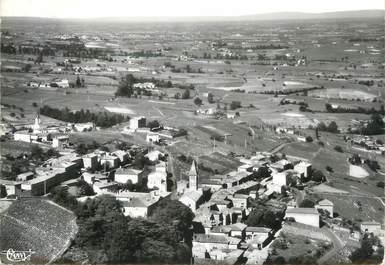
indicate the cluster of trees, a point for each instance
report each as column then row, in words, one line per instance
column 102, row 119
column 184, row 95
column 366, row 82
column 146, row 54
column 317, row 176
column 287, row 91
column 366, row 254
column 126, row 86
column 11, row 167
column 263, row 216
column 219, row 56
column 78, row 50
column 330, row 109
column 80, row 82
column 374, row 126
column 186, row 69
column 8, row 48
column 235, row 105
column 372, row 164
column 331, row 127
column 107, row 236
column 83, row 148
column 38, row 154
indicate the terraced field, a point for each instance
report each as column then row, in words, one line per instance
column 39, row 225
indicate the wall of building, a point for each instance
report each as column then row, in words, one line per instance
column 135, row 211
column 307, row 219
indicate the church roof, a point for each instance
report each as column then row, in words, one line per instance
column 193, row 170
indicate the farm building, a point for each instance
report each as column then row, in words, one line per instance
column 137, row 122
column 90, row 161
column 60, row 142
column 371, row 227
column 123, row 175
column 325, row 205
column 308, row 216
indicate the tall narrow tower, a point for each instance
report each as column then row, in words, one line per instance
column 36, row 125
column 193, row 177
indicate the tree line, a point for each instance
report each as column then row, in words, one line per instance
column 102, row 119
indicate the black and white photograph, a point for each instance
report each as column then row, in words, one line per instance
column 192, row 132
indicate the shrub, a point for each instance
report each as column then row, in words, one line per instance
column 197, row 101
column 338, row 149
column 381, row 184
column 309, row 139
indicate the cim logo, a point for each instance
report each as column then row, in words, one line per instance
column 18, row 256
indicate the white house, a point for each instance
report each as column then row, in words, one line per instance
column 141, row 204
column 60, row 142
column 280, row 179
column 192, row 199
column 137, row 122
column 122, row 155
column 81, row 127
column 122, row 175
column 371, row 227
column 23, row 136
column 25, row 176
column 303, row 168
column 325, row 205
column 153, row 155
column 158, row 178
column 90, row 161
column 205, row 243
column 308, row 216
column 110, row 161
column 152, row 138
column 63, row 83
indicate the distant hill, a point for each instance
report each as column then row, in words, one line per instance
column 327, row 15
column 356, row 14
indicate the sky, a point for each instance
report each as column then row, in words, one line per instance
column 159, row 8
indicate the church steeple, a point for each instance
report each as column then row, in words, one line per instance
column 193, row 176
column 36, row 125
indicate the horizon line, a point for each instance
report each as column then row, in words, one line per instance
column 197, row 16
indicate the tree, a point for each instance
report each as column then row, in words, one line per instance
column 153, row 124
column 309, row 139
column 316, row 133
column 85, row 189
column 263, row 172
column 210, row 98
column 318, row 176
column 61, row 196
column 355, row 159
column 186, row 93
column 338, row 148
column 332, row 127
column 375, row 125
column 37, row 153
column 78, row 82
column 235, row 105
column 197, row 101
column 306, row 203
